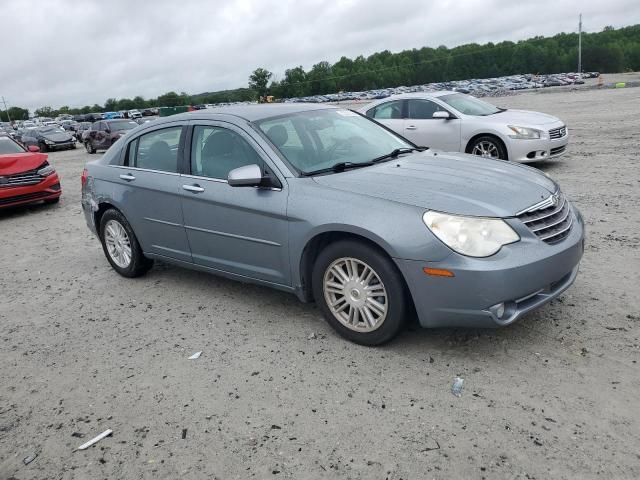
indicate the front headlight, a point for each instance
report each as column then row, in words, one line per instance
column 471, row 236
column 49, row 142
column 524, row 133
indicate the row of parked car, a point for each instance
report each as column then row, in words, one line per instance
column 484, row 87
column 63, row 135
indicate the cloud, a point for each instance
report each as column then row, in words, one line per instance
column 75, row 53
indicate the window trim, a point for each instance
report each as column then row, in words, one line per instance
column 180, row 165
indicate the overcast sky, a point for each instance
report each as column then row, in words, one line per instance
column 79, row 52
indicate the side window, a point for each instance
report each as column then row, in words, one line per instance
column 422, row 109
column 95, row 126
column 157, row 150
column 386, row 111
column 215, row 151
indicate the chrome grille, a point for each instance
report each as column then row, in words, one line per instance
column 22, row 179
column 558, row 132
column 550, row 220
column 557, row 150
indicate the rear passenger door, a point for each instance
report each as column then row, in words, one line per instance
column 390, row 114
column 149, row 189
column 240, row 230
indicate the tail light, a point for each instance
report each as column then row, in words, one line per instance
column 83, row 178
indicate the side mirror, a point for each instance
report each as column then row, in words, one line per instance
column 442, row 114
column 33, row 148
column 247, row 176
column 107, row 130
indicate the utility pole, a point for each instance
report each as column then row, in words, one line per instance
column 7, row 110
column 580, row 47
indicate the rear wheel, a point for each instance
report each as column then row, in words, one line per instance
column 488, row 146
column 360, row 292
column 121, row 246
column 89, row 147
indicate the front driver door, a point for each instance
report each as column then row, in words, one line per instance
column 240, row 230
column 425, row 131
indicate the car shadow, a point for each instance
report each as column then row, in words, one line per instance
column 413, row 341
column 21, row 210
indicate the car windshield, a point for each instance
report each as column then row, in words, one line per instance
column 320, row 139
column 122, row 125
column 469, row 105
column 8, row 146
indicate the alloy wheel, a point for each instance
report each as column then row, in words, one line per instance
column 118, row 243
column 486, row 149
column 355, row 294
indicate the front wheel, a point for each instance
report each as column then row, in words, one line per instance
column 89, row 147
column 43, row 147
column 121, row 246
column 360, row 292
column 488, row 147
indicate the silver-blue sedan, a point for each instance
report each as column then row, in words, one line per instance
column 327, row 204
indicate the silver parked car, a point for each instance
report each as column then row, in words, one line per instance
column 455, row 122
column 327, row 204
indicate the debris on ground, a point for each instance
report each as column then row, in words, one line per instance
column 104, row 434
column 456, row 388
column 184, row 433
column 29, row 458
column 195, row 356
column 313, row 336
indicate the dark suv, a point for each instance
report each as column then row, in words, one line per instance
column 105, row 133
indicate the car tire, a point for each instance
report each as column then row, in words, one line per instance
column 489, row 144
column 116, row 235
column 89, row 147
column 43, row 147
column 360, row 293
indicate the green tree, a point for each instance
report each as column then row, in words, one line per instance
column 110, row 105
column 44, row 112
column 259, row 80
column 169, row 99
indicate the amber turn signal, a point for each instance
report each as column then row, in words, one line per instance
column 438, row 272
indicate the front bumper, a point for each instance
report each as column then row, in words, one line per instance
column 48, row 189
column 524, row 276
column 62, row 146
column 524, row 151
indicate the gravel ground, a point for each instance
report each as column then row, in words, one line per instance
column 276, row 394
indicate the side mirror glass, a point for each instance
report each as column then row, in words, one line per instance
column 247, row 176
column 33, row 148
column 441, row 114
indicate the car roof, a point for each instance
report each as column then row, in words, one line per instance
column 251, row 113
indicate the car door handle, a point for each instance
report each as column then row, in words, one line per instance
column 412, row 127
column 193, row 188
column 128, row 177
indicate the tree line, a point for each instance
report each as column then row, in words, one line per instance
column 611, row 50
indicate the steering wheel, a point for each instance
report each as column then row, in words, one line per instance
column 343, row 147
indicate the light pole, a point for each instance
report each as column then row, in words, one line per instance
column 580, row 47
column 6, row 109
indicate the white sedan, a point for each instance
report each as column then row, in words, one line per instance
column 455, row 122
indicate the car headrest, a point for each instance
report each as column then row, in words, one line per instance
column 219, row 143
column 278, row 135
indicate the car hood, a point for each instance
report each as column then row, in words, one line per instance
column 522, row 118
column 13, row 163
column 56, row 136
column 452, row 183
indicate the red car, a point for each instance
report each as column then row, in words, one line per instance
column 25, row 175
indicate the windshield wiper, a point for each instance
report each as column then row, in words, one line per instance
column 398, row 151
column 338, row 167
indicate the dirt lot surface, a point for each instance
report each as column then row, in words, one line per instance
column 276, row 394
